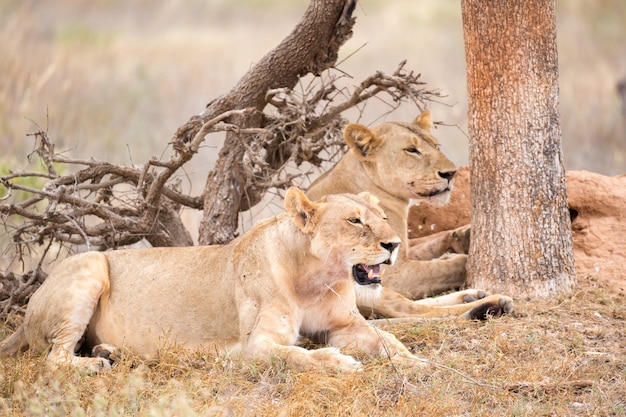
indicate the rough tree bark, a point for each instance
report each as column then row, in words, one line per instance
column 521, row 237
column 311, row 47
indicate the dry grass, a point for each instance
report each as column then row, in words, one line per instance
column 566, row 357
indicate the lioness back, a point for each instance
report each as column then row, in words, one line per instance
column 144, row 297
column 149, row 285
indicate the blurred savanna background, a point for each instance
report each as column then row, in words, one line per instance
column 113, row 79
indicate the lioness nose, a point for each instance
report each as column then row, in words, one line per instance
column 446, row 175
column 391, row 246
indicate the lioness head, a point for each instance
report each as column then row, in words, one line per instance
column 348, row 232
column 403, row 158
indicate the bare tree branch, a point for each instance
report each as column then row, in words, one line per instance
column 102, row 205
column 274, row 121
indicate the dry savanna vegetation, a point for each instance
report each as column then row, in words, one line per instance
column 114, row 79
column 558, row 358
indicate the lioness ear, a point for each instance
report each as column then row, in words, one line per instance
column 370, row 198
column 302, row 210
column 424, row 120
column 361, row 140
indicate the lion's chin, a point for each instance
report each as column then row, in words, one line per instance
column 436, row 198
column 368, row 295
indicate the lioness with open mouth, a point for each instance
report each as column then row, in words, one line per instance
column 289, row 276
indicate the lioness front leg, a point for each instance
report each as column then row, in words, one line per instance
column 366, row 337
column 454, row 298
column 301, row 359
column 469, row 304
column 274, row 333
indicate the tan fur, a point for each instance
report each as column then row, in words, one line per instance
column 435, row 245
column 289, row 276
column 400, row 162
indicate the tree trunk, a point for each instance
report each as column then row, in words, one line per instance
column 312, row 47
column 521, row 238
column 223, row 192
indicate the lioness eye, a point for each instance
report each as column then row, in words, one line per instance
column 413, row 150
column 354, row 220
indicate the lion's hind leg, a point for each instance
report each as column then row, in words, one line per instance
column 60, row 310
column 60, row 356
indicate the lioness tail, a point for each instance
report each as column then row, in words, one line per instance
column 13, row 344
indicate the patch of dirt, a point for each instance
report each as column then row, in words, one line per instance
column 597, row 206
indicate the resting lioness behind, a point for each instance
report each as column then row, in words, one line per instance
column 288, row 276
column 400, row 162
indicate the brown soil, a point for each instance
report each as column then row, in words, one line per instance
column 598, row 208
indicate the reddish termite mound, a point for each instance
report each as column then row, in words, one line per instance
column 597, row 206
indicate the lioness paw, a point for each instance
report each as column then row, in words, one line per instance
column 94, row 365
column 494, row 306
column 106, row 351
column 330, row 358
column 506, row 304
column 103, row 356
column 474, row 295
column 351, row 365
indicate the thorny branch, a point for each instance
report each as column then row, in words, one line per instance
column 98, row 205
column 306, row 124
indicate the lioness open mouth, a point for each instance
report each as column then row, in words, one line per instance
column 366, row 274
